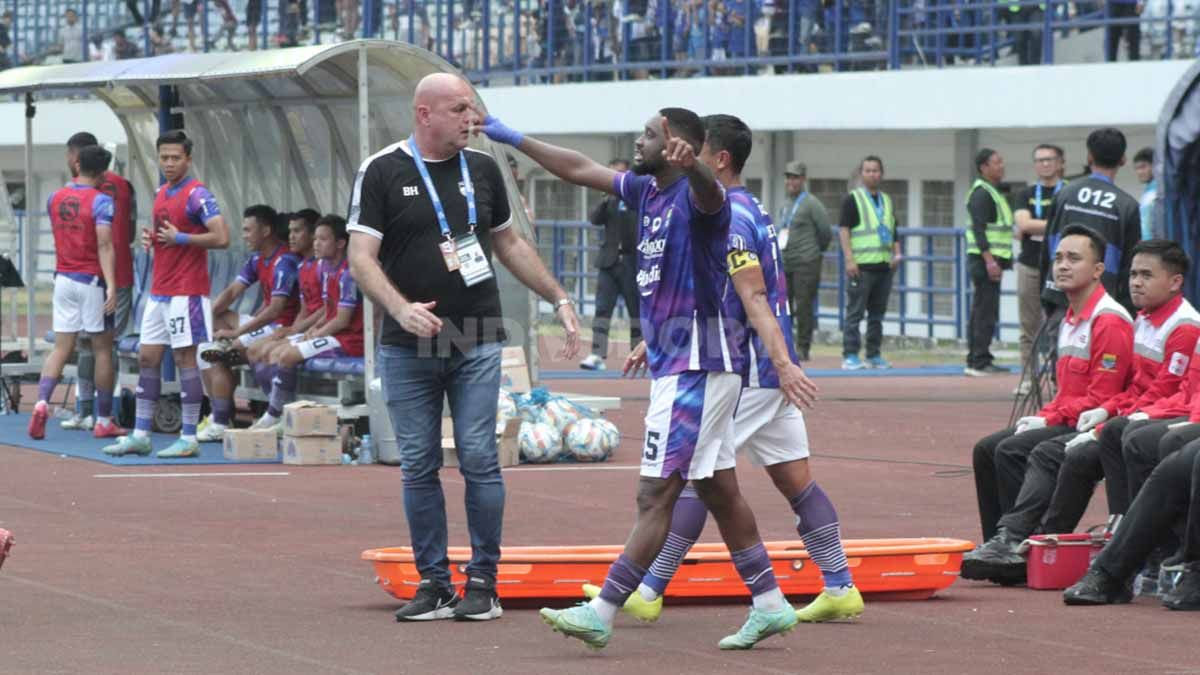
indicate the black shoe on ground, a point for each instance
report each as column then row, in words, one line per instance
column 429, row 604
column 479, row 601
column 1186, row 593
column 993, row 369
column 1097, row 587
column 996, row 560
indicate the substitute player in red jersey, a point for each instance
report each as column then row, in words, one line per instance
column 84, row 283
column 122, row 195
column 302, row 227
column 272, row 266
column 187, row 222
column 338, row 333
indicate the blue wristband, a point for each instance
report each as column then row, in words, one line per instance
column 182, row 239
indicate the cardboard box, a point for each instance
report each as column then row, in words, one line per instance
column 514, row 371
column 305, row 418
column 245, row 444
column 508, row 449
column 312, row 450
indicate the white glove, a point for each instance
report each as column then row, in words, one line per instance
column 1138, row 417
column 1088, row 419
column 1178, row 424
column 1085, row 437
column 1027, row 423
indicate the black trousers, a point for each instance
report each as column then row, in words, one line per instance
column 803, row 285
column 1027, row 44
column 985, row 314
column 868, row 294
column 1148, row 445
column 1132, row 33
column 1171, row 492
column 620, row 280
column 1112, row 461
column 1042, row 488
column 999, row 463
column 1075, row 485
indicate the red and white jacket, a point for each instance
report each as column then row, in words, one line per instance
column 1186, row 401
column 1163, row 342
column 1095, row 358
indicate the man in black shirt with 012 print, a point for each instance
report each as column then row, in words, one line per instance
column 1097, row 203
column 426, row 216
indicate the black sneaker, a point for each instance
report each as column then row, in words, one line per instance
column 429, row 604
column 1097, row 587
column 479, row 601
column 1186, row 593
column 996, row 560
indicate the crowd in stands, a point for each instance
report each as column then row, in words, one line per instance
column 596, row 33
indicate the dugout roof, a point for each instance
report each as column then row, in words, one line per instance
column 287, row 127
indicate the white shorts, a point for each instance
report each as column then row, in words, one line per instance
column 253, row 336
column 689, row 423
column 329, row 346
column 78, row 307
column 180, row 321
column 768, row 429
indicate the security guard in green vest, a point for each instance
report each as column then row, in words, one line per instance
column 871, row 252
column 989, row 253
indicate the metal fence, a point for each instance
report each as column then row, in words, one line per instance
column 931, row 293
column 543, row 41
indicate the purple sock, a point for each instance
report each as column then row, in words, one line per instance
column 222, row 411
column 149, row 388
column 46, row 387
column 623, row 578
column 263, row 374
column 283, row 390
column 817, row 523
column 104, row 403
column 754, row 566
column 191, row 393
column 687, row 522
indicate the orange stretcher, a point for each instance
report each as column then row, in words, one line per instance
column 900, row 569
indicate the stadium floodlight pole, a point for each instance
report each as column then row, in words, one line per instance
column 30, row 271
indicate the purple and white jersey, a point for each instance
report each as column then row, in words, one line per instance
column 752, row 241
column 681, row 278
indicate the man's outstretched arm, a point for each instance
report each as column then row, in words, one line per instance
column 569, row 165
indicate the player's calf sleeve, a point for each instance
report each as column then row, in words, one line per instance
column 191, row 393
column 263, row 374
column 817, row 524
column 222, row 411
column 149, row 388
column 687, row 522
column 283, row 390
column 104, row 399
column 754, row 566
column 623, row 577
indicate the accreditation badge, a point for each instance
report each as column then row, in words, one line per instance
column 449, row 254
column 473, row 263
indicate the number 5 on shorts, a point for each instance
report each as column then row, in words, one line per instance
column 651, row 451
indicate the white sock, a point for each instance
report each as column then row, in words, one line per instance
column 188, row 437
column 269, row 418
column 103, row 420
column 141, row 433
column 605, row 609
column 648, row 594
column 40, row 404
column 838, row 591
column 771, row 601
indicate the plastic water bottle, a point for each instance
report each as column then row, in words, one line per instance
column 366, row 451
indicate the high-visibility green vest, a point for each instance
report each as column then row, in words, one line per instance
column 867, row 246
column 999, row 233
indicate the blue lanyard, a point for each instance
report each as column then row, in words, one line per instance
column 1102, row 177
column 885, row 232
column 437, row 201
column 1037, row 206
column 795, row 205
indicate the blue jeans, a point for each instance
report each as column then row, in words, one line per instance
column 414, row 386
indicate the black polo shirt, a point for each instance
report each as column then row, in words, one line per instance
column 1031, row 249
column 390, row 202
